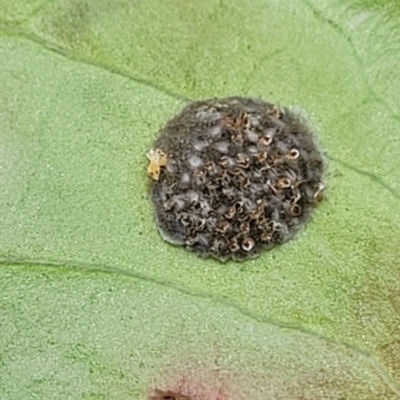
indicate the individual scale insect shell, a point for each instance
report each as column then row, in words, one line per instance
column 239, row 175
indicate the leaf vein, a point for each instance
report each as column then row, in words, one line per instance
column 73, row 57
column 226, row 303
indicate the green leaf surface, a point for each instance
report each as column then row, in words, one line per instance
column 93, row 303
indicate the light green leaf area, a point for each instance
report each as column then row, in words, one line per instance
column 93, row 303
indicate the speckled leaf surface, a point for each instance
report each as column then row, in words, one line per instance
column 93, row 304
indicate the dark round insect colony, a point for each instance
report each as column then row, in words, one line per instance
column 238, row 175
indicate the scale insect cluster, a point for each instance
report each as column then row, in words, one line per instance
column 234, row 176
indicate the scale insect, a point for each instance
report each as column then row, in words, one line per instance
column 157, row 160
column 235, row 176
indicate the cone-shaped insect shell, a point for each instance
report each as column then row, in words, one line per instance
column 234, row 176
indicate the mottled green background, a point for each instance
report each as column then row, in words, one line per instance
column 93, row 304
